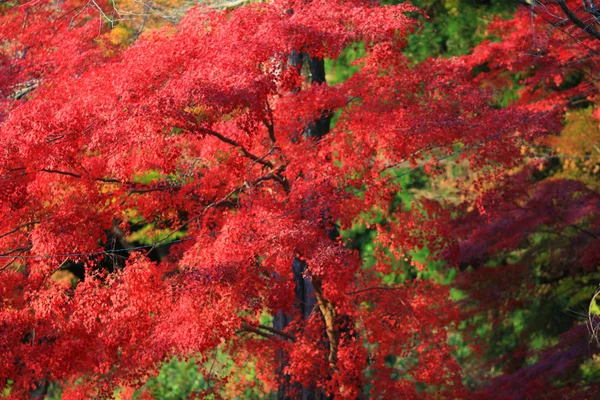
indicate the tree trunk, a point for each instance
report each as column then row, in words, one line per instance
column 304, row 290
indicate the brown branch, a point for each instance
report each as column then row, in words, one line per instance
column 8, row 264
column 54, row 139
column 330, row 316
column 18, row 227
column 113, row 180
column 276, row 176
column 17, row 250
column 585, row 231
column 590, row 7
column 155, row 189
column 147, row 8
column 233, row 143
column 226, row 199
column 374, row 288
column 144, row 189
column 583, row 26
column 249, row 328
column 277, row 332
column 16, row 169
column 46, row 276
column 79, row 176
column 270, row 124
column 268, row 153
column 56, row 171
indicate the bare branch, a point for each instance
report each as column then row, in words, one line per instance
column 17, row 228
column 277, row 332
column 19, row 250
column 269, row 123
column 12, row 260
column 383, row 288
column 236, row 144
column 571, row 15
column 249, row 328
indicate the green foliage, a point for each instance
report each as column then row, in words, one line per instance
column 177, row 380
column 54, row 392
column 342, row 68
column 454, row 27
column 149, row 234
column 361, row 237
column 183, row 379
column 577, row 148
column 148, row 177
column 6, row 390
column 448, row 28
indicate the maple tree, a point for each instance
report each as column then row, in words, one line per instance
column 209, row 135
column 531, row 257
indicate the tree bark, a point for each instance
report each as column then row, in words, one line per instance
column 306, row 298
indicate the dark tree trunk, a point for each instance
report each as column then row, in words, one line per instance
column 40, row 390
column 304, row 290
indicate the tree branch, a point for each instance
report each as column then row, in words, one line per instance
column 269, row 123
column 12, row 260
column 55, row 171
column 17, row 250
column 277, row 332
column 233, row 143
column 226, row 199
column 330, row 316
column 155, row 189
column 374, row 288
column 17, row 228
column 145, row 188
column 571, row 15
column 249, row 328
column 75, row 175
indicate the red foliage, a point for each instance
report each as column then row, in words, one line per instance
column 555, row 61
column 215, row 109
column 537, row 380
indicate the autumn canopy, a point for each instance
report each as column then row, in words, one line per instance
column 203, row 187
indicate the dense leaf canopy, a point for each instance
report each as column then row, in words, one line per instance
column 159, row 190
